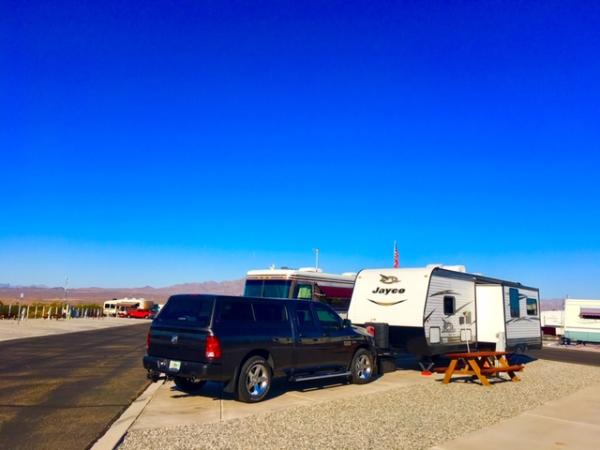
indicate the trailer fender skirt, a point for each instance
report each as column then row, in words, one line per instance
column 386, row 364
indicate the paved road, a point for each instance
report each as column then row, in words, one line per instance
column 62, row 392
column 567, row 355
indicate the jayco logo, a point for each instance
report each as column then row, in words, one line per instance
column 388, row 279
column 387, row 291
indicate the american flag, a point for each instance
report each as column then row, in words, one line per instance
column 396, row 256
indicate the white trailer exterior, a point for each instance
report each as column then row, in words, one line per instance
column 436, row 310
column 582, row 320
column 553, row 322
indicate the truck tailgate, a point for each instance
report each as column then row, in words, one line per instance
column 179, row 343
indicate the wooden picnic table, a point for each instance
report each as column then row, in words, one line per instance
column 479, row 365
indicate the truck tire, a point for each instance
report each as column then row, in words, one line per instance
column 189, row 385
column 254, row 381
column 362, row 367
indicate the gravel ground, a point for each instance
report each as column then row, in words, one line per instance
column 414, row 417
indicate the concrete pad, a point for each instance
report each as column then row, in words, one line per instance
column 14, row 329
column 171, row 407
column 570, row 422
column 582, row 406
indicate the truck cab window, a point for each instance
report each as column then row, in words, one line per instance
column 235, row 311
column 327, row 318
column 304, row 317
column 270, row 313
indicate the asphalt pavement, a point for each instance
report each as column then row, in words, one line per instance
column 591, row 358
column 64, row 391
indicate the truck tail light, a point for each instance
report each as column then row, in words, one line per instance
column 371, row 330
column 213, row 347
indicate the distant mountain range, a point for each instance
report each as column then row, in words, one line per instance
column 552, row 304
column 11, row 294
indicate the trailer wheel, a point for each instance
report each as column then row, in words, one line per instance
column 520, row 349
column 362, row 367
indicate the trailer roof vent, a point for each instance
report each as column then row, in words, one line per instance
column 309, row 269
column 458, row 268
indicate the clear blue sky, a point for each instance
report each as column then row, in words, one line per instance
column 156, row 142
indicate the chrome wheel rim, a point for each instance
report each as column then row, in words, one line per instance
column 363, row 367
column 257, row 380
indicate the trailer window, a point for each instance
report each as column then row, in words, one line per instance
column 515, row 307
column 267, row 288
column 532, row 307
column 304, row 291
column 449, row 304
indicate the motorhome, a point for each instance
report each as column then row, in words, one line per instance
column 440, row 309
column 116, row 306
column 582, row 320
column 306, row 283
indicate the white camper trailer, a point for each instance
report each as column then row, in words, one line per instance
column 436, row 309
column 553, row 322
column 582, row 320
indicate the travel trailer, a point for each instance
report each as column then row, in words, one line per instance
column 435, row 310
column 305, row 283
column 582, row 320
column 553, row 323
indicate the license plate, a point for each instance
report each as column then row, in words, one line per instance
column 174, row 366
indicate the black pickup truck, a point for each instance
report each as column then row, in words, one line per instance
column 245, row 342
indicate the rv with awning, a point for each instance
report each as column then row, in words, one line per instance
column 306, row 283
column 440, row 309
column 582, row 320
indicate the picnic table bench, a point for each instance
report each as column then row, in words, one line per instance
column 479, row 365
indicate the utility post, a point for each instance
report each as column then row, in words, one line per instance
column 65, row 298
column 20, row 314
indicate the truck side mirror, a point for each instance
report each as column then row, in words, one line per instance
column 346, row 323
